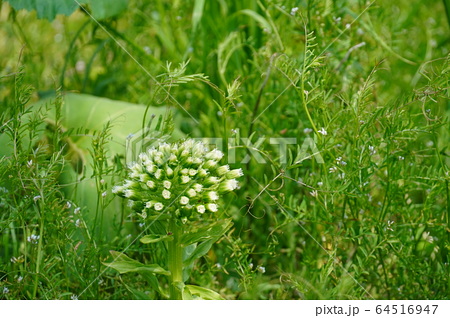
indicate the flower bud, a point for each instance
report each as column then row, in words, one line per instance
column 235, row 173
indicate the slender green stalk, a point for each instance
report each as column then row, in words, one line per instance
column 39, row 249
column 175, row 261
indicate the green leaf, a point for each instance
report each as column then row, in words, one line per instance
column 207, row 232
column 203, row 293
column 124, row 264
column 154, row 238
column 46, row 9
column 102, row 9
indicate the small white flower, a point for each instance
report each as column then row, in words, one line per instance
column 77, row 210
column 68, row 205
column 128, row 193
column 294, row 10
column 184, row 200
column 148, row 204
column 191, row 193
column 36, row 198
column 261, row 269
column 158, row 206
column 212, row 207
column 30, row 163
column 19, row 279
column 169, row 171
column 307, row 131
column 235, row 173
column 141, row 224
column 214, row 154
column 223, row 170
column 341, row 175
column 167, row 184
column 192, row 172
column 166, row 194
column 33, row 239
column 320, row 183
column 314, row 193
column 198, row 187
column 372, row 150
column 117, row 189
column 323, row 131
column 150, row 184
column 348, row 25
column 104, row 194
column 332, row 169
column 229, row 185
column 78, row 223
column 158, row 174
column 401, row 158
column 102, row 181
column 5, row 290
column 201, row 209
column 212, row 195
column 185, row 179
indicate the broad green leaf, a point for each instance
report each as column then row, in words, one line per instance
column 46, row 9
column 201, row 250
column 210, row 231
column 203, row 293
column 124, row 264
column 187, row 268
column 102, row 9
column 154, row 238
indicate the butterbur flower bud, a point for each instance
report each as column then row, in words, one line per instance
column 166, row 194
column 212, row 196
column 223, row 170
column 210, row 164
column 236, row 173
column 191, row 193
column 228, row 185
column 184, row 200
column 212, row 207
column 214, row 154
column 185, row 177
column 201, row 209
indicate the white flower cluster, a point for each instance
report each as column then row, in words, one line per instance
column 182, row 178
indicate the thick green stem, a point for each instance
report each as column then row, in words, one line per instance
column 175, row 261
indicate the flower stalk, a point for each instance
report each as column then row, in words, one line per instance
column 175, row 260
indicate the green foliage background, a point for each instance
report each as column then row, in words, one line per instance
column 374, row 75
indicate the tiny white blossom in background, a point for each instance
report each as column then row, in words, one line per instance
column 104, row 194
column 36, row 198
column 74, row 297
column 33, row 239
column 341, row 162
column 5, row 290
column 77, row 210
column 19, row 279
column 261, row 269
column 320, row 183
column 401, row 158
column 30, row 163
column 314, row 193
column 294, row 10
column 389, row 225
column 78, row 223
column 372, row 150
column 333, row 169
column 323, row 131
column 68, row 205
column 307, row 130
